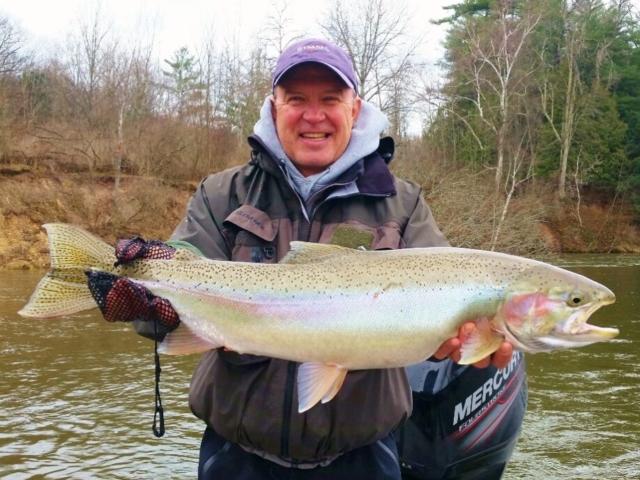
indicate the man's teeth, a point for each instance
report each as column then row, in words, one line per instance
column 314, row 135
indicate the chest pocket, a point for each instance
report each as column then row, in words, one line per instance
column 255, row 235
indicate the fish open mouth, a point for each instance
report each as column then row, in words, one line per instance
column 590, row 333
column 577, row 324
column 570, row 333
column 575, row 331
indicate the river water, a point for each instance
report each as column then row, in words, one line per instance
column 77, row 395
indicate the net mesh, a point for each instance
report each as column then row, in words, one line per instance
column 120, row 299
column 137, row 248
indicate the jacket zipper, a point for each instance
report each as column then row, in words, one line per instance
column 288, row 406
column 291, row 368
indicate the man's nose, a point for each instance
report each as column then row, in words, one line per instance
column 314, row 112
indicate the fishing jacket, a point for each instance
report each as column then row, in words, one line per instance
column 250, row 214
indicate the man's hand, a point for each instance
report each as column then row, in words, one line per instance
column 451, row 349
column 138, row 249
column 121, row 299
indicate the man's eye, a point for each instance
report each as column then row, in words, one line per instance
column 296, row 99
column 331, row 99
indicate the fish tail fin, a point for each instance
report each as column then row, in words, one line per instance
column 64, row 289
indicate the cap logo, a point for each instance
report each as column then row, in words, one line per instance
column 312, row 48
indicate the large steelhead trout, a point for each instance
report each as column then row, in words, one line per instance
column 335, row 309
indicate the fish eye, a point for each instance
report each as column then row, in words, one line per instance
column 576, row 299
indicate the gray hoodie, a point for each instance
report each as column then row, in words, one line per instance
column 365, row 136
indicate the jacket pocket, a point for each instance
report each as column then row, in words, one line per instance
column 388, row 237
column 255, row 235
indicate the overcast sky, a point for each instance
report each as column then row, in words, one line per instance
column 179, row 23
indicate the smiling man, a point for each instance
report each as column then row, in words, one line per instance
column 314, row 112
column 318, row 173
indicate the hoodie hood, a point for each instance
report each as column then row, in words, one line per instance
column 365, row 137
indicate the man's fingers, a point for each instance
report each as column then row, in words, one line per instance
column 501, row 357
column 448, row 348
column 484, row 363
column 466, row 330
column 120, row 299
column 137, row 248
column 451, row 349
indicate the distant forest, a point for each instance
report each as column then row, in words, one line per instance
column 530, row 94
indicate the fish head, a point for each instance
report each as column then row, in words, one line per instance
column 548, row 308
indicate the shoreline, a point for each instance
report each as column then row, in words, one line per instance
column 151, row 208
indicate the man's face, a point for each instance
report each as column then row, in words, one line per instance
column 314, row 112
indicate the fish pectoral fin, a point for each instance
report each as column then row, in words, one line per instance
column 335, row 388
column 183, row 341
column 481, row 343
column 318, row 381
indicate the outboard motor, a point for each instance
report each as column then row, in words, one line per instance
column 466, row 421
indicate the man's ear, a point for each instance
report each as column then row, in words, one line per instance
column 273, row 107
column 355, row 110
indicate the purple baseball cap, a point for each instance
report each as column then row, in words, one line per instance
column 318, row 51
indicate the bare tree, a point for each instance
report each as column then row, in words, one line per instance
column 12, row 44
column 513, row 181
column 487, row 98
column 573, row 99
column 128, row 84
column 278, row 32
column 375, row 33
column 12, row 62
column 209, row 111
column 83, row 63
column 575, row 18
column 434, row 99
column 247, row 82
column 499, row 71
column 87, row 50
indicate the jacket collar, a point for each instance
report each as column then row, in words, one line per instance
column 370, row 174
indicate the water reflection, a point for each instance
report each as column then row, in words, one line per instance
column 577, row 260
column 77, row 398
column 77, row 395
column 582, row 421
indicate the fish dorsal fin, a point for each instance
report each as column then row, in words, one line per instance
column 182, row 341
column 317, row 381
column 186, row 255
column 306, row 252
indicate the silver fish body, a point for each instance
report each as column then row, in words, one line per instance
column 335, row 309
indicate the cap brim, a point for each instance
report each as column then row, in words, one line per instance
column 338, row 72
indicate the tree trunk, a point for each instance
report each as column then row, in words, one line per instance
column 568, row 121
column 118, row 161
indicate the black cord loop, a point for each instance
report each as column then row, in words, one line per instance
column 159, row 412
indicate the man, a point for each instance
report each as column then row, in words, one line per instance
column 318, row 172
